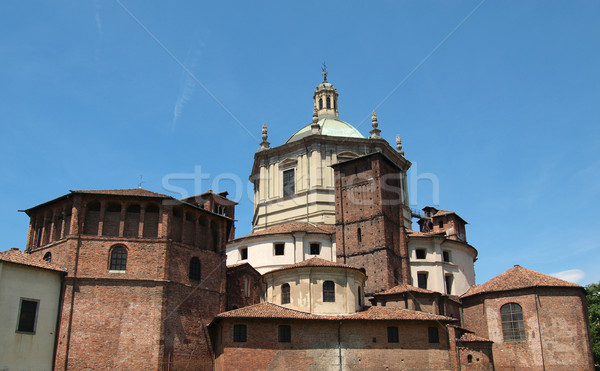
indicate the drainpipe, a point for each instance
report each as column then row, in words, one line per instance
column 340, row 344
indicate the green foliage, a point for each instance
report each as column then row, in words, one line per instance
column 593, row 299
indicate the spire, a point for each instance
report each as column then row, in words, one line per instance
column 325, row 98
column 264, row 144
column 314, row 127
column 399, row 145
column 374, row 132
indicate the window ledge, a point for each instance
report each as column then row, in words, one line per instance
column 110, row 271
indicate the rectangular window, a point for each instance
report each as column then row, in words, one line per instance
column 289, row 183
column 392, row 333
column 446, row 255
column 244, row 253
column 422, row 280
column 448, row 282
column 27, row 316
column 285, row 334
column 279, row 248
column 239, row 333
column 434, row 336
column 421, row 253
column 315, row 248
column 328, row 291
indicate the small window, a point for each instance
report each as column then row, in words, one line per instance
column 289, row 184
column 421, row 253
column 48, row 257
column 470, row 358
column 513, row 326
column 27, row 316
column 448, row 281
column 328, row 103
column 320, row 103
column 422, row 280
column 195, row 272
column 359, row 235
column 285, row 293
column 118, row 259
column 285, row 334
column 392, row 333
column 239, row 333
column 279, row 249
column 441, row 224
column 329, row 291
column 434, row 336
column 244, row 253
column 446, row 256
column 246, row 287
column 360, row 297
column 315, row 248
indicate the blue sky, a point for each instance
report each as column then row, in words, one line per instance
column 504, row 113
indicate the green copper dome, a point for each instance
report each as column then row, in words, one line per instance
column 331, row 127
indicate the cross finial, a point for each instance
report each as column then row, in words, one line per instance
column 324, row 72
column 375, row 132
column 264, row 144
column 141, row 181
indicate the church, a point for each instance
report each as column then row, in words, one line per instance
column 332, row 277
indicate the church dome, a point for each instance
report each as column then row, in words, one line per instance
column 330, row 126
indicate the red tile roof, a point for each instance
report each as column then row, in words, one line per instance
column 412, row 233
column 517, row 278
column 17, row 256
column 471, row 338
column 314, row 262
column 293, row 227
column 139, row 192
column 273, row 311
column 402, row 288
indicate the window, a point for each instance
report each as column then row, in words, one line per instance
column 392, row 333
column 246, row 287
column 285, row 334
column 448, row 281
column 27, row 315
column 328, row 291
column 118, row 259
column 239, row 333
column 434, row 336
column 279, row 249
column 360, row 297
column 244, row 253
column 470, row 358
column 315, row 248
column 446, row 256
column 289, row 184
column 441, row 224
column 285, row 293
column 195, row 272
column 320, row 103
column 422, row 280
column 513, row 326
column 48, row 257
column 421, row 253
column 328, row 103
column 359, row 235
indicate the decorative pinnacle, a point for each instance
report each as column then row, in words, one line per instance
column 375, row 132
column 264, row 144
column 324, row 72
column 399, row 145
column 314, row 127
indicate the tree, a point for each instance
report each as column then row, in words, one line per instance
column 593, row 300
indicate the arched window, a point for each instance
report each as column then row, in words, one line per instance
column 328, row 103
column 195, row 272
column 513, row 326
column 320, row 103
column 48, row 257
column 118, row 258
column 285, row 293
column 470, row 358
column 328, row 291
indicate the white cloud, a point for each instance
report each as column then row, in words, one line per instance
column 571, row 275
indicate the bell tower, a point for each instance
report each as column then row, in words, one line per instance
column 325, row 98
